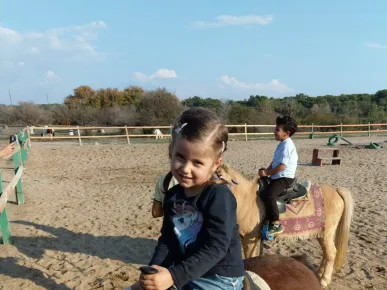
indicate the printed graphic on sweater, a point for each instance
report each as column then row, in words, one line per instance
column 188, row 223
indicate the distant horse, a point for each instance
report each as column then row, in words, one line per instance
column 158, row 133
column 275, row 272
column 338, row 211
column 48, row 131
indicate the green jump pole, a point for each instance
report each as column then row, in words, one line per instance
column 4, row 222
column 311, row 135
column 341, row 129
column 369, row 129
column 19, row 185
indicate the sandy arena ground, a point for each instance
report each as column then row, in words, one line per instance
column 86, row 223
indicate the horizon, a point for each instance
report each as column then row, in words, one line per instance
column 225, row 51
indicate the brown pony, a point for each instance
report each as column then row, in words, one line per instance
column 283, row 273
column 338, row 210
column 275, row 272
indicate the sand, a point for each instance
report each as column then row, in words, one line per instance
column 86, row 223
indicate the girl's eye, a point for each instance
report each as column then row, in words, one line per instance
column 198, row 163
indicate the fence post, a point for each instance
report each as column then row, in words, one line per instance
column 19, row 185
column 23, row 152
column 341, row 129
column 127, row 134
column 79, row 136
column 4, row 223
column 170, row 130
column 29, row 139
column 369, row 129
column 245, row 132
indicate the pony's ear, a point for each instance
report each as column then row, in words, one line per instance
column 223, row 175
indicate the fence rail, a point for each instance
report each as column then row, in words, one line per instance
column 313, row 130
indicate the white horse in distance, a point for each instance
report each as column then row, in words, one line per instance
column 158, row 133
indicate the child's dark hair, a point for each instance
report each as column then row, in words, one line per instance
column 288, row 124
column 200, row 124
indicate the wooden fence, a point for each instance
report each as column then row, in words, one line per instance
column 19, row 157
column 310, row 130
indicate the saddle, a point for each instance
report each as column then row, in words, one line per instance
column 295, row 191
column 254, row 282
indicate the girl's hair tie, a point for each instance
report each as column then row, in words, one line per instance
column 180, row 127
column 223, row 146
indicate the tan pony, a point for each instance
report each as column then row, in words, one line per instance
column 338, row 210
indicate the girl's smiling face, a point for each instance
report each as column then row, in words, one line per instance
column 193, row 163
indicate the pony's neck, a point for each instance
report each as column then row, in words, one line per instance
column 252, row 184
column 249, row 191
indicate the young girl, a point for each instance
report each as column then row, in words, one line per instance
column 199, row 246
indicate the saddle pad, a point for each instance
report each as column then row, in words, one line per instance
column 304, row 217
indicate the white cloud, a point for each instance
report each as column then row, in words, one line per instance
column 375, row 45
column 9, row 36
column 50, row 77
column 7, row 64
column 33, row 50
column 72, row 40
column 230, row 20
column 159, row 74
column 34, row 35
column 273, row 86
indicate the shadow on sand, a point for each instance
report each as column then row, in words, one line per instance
column 121, row 248
column 9, row 267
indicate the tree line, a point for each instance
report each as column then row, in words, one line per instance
column 134, row 106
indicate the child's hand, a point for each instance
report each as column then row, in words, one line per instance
column 262, row 172
column 159, row 281
column 8, row 150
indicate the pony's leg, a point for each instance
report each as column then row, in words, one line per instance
column 323, row 261
column 333, row 208
column 251, row 245
column 329, row 256
column 243, row 246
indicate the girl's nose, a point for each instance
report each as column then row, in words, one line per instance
column 186, row 168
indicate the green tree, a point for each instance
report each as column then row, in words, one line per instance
column 214, row 105
column 158, row 107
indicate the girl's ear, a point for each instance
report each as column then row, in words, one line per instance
column 218, row 162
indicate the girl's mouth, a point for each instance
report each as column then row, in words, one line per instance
column 184, row 177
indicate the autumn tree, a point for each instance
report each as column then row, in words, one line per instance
column 132, row 95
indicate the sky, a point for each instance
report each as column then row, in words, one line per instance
column 222, row 49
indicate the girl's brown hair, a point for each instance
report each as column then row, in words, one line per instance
column 199, row 124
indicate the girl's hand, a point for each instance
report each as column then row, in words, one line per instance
column 159, row 281
column 7, row 150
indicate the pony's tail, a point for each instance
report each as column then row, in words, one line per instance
column 342, row 232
